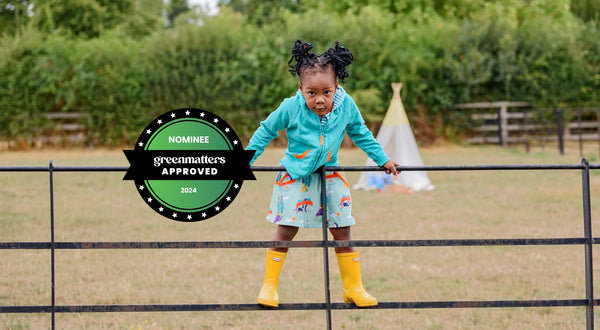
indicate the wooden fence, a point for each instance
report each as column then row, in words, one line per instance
column 506, row 123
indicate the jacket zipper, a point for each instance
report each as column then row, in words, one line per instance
column 321, row 142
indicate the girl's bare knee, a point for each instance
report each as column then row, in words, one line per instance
column 285, row 233
column 341, row 234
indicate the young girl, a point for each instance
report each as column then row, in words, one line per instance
column 315, row 119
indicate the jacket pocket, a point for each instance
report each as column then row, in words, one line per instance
column 303, row 154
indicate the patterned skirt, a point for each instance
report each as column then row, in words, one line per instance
column 298, row 202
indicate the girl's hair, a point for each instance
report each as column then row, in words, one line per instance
column 338, row 56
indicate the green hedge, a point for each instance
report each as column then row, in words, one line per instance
column 511, row 50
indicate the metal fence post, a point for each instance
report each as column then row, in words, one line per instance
column 322, row 175
column 52, row 245
column 587, row 228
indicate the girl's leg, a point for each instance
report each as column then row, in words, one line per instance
column 284, row 233
column 349, row 263
column 268, row 295
column 342, row 234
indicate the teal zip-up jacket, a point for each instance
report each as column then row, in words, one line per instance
column 311, row 145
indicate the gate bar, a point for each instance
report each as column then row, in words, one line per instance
column 490, row 167
column 297, row 306
column 305, row 244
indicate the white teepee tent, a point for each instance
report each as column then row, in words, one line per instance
column 398, row 140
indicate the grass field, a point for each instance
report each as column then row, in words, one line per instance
column 465, row 204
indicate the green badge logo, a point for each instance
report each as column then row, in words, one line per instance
column 188, row 165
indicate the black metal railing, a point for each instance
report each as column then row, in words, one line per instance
column 587, row 240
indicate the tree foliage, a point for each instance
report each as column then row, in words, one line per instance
column 81, row 18
column 174, row 9
column 117, row 62
column 587, row 10
column 13, row 14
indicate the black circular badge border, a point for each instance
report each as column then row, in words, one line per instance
column 224, row 128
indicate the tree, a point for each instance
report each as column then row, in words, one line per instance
column 81, row 18
column 152, row 8
column 259, row 12
column 237, row 5
column 13, row 15
column 587, row 10
column 174, row 9
column 90, row 18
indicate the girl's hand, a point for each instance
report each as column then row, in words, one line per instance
column 391, row 167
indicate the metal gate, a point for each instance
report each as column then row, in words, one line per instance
column 587, row 241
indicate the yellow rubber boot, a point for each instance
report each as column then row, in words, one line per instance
column 351, row 279
column 268, row 293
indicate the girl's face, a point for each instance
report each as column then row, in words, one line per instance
column 318, row 88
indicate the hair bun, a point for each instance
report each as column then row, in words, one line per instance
column 341, row 57
column 300, row 50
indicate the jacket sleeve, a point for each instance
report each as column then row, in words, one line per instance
column 267, row 131
column 362, row 137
